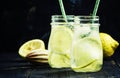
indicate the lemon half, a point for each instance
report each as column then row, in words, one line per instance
column 30, row 45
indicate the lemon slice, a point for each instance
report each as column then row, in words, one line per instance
column 93, row 66
column 30, row 45
column 85, row 52
column 58, row 61
column 59, row 47
column 61, row 39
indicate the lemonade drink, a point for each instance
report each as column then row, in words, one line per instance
column 86, row 53
column 60, row 41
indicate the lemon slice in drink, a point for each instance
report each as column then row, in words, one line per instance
column 61, row 39
column 30, row 45
column 59, row 61
column 85, row 52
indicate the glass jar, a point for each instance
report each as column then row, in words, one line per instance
column 60, row 41
column 86, row 52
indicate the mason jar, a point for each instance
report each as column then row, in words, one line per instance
column 60, row 41
column 86, row 51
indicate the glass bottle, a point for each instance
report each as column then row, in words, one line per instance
column 60, row 41
column 86, row 52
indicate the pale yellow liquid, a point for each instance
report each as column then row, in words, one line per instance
column 86, row 54
column 59, row 46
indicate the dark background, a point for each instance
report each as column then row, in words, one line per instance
column 23, row 20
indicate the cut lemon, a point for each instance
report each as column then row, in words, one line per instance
column 30, row 45
column 93, row 66
column 59, row 46
column 61, row 39
column 58, row 61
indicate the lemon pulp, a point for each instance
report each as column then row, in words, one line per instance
column 30, row 45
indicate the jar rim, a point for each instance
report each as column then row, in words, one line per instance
column 87, row 17
column 61, row 15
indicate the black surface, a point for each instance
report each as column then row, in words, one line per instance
column 13, row 66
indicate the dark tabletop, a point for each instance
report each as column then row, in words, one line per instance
column 13, row 66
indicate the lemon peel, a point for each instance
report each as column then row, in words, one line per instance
column 109, row 44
